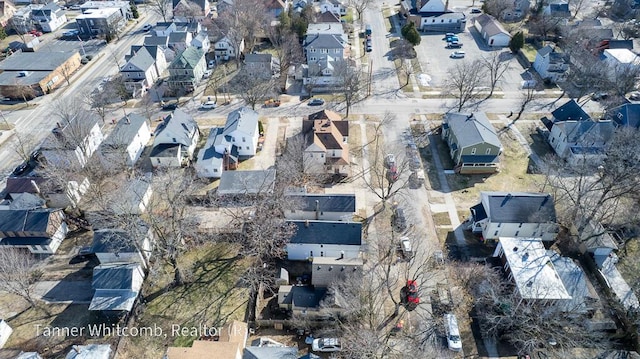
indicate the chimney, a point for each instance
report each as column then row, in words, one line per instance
column 317, row 210
column 341, row 255
column 35, row 186
column 306, row 223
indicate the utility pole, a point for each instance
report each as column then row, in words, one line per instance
column 370, row 77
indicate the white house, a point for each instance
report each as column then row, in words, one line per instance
column 175, row 140
column 41, row 230
column 325, row 207
column 113, row 246
column 73, row 143
column 50, row 17
column 551, row 65
column 140, row 72
column 116, row 287
column 576, row 141
column 5, row 332
column 225, row 147
column 517, row 214
column 224, row 48
column 127, row 140
column 527, row 264
column 491, row 31
column 333, row 6
column 90, row 351
column 201, row 41
column 325, row 239
column 620, row 62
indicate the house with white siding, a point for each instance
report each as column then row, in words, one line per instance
column 325, row 207
column 175, row 140
column 325, row 239
column 127, row 140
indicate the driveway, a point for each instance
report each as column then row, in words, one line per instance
column 76, row 292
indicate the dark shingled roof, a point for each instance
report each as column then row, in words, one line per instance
column 570, row 111
column 472, row 129
column 305, row 296
column 114, row 277
column 519, row 207
column 327, row 232
column 326, row 203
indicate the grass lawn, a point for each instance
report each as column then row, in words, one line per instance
column 538, row 144
column 530, row 52
column 402, row 76
column 442, row 219
column 211, row 297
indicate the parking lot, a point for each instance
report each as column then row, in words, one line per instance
column 435, row 61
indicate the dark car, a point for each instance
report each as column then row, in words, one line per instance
column 599, row 96
column 316, row 102
column 476, row 11
column 398, row 220
column 22, row 168
column 169, row 106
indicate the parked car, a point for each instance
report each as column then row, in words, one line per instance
column 316, row 102
column 207, row 74
column 476, row 11
column 453, row 39
column 448, row 35
column 457, row 54
column 35, row 33
column 211, row 64
column 272, row 103
column 453, row 333
column 634, row 96
column 74, row 7
column 398, row 220
column 20, row 169
column 71, row 33
column 411, row 292
column 389, row 160
column 147, row 27
column 169, row 106
column 405, row 247
column 369, row 48
column 454, row 45
column 326, row 345
column 209, row 105
column 599, row 96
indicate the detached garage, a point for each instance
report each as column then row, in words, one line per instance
column 492, row 31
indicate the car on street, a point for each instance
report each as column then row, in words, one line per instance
column 147, row 27
column 211, row 64
column 405, row 247
column 169, row 106
column 326, row 345
column 74, row 7
column 634, row 96
column 457, row 55
column 209, row 105
column 207, row 74
column 476, row 11
column 389, row 160
column 20, row 169
column 454, row 45
column 316, row 102
column 398, row 220
column 71, row 33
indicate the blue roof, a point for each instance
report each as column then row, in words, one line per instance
column 479, row 159
column 478, row 212
column 626, row 115
column 327, row 232
column 472, row 129
column 570, row 111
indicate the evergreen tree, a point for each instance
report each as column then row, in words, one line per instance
column 134, row 10
column 517, row 42
column 411, row 34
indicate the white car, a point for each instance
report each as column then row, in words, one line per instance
column 209, row 105
column 389, row 160
column 147, row 27
column 326, row 345
column 405, row 247
column 207, row 74
column 457, row 54
column 212, row 64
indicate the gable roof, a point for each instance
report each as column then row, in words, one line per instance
column 325, row 202
column 327, row 17
column 25, row 201
column 117, row 277
column 177, row 128
column 154, row 40
column 586, row 132
column 490, row 25
column 187, row 59
column 471, row 129
column 570, row 111
column 323, row 41
column 250, row 58
column 247, row 182
column 518, row 207
column 327, row 232
column 26, row 220
column 626, row 115
column 112, row 241
column 177, row 36
column 545, row 50
column 126, row 131
column 270, row 353
column 244, row 120
column 90, row 351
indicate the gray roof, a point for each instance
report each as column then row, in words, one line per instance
column 29, row 220
column 141, row 61
column 112, row 241
column 113, row 299
column 15, row 78
column 115, row 276
column 247, row 182
column 327, row 232
column 243, row 119
column 125, row 131
column 586, row 132
column 25, row 201
column 177, row 37
column 36, row 61
column 258, row 58
column 570, row 111
column 519, row 207
column 177, row 128
column 545, row 50
column 91, row 351
column 156, row 40
column 151, row 49
column 328, row 203
column 305, row 296
column 490, row 25
column 323, row 41
column 270, row 353
column 472, row 129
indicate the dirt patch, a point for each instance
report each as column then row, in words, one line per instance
column 442, row 219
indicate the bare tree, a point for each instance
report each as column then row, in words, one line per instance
column 253, row 89
column 527, row 96
column 464, row 82
column 496, row 66
column 188, row 9
column 23, row 144
column 216, row 80
column 243, row 20
column 360, row 6
column 18, row 274
column 287, row 51
column 623, row 79
column 67, row 70
column 161, row 7
column 544, row 25
column 17, row 90
column 497, row 7
column 576, row 6
column 351, row 82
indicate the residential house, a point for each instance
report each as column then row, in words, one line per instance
column 326, row 143
column 127, row 140
column 7, row 9
column 517, row 11
column 526, row 263
column 159, row 41
column 192, row 9
column 276, row 7
column 227, row 342
column 569, row 111
column 261, row 65
column 333, row 6
column 596, row 240
column 23, row 200
column 325, row 207
column 247, row 183
column 432, row 16
column 175, row 140
column 201, row 41
column 186, row 70
column 326, row 17
column 104, row 22
column 43, row 71
column 73, row 143
column 551, row 65
column 227, row 145
column 49, row 17
column 326, row 48
column 5, row 332
column 328, row 270
column 301, row 299
column 269, row 351
column 124, row 7
column 156, row 52
column 139, row 73
column 20, row 20
column 557, row 8
column 180, row 40
column 332, row 239
column 491, row 31
column 90, row 351
column 39, row 230
column 224, row 48
column 473, row 143
column 625, row 115
column 116, row 246
column 575, row 281
column 116, row 287
column 621, row 62
column 56, row 194
column 516, row 214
